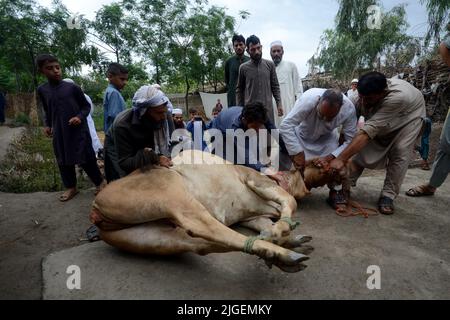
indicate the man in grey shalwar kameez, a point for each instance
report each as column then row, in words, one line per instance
column 257, row 81
column 394, row 111
column 441, row 166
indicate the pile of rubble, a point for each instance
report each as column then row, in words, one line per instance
column 432, row 77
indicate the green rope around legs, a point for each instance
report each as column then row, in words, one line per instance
column 248, row 245
column 293, row 225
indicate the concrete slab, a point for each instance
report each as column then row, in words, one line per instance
column 411, row 248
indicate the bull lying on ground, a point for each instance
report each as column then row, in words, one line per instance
column 189, row 208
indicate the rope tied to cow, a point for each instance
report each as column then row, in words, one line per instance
column 292, row 224
column 248, row 245
column 354, row 209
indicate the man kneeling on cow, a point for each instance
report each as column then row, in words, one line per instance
column 139, row 136
column 311, row 135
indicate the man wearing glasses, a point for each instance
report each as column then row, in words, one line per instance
column 310, row 133
column 257, row 81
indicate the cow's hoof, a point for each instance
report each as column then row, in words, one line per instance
column 306, row 250
column 292, row 269
column 297, row 241
column 290, row 263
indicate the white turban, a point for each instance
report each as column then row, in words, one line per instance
column 148, row 97
column 177, row 111
column 276, row 43
column 355, row 81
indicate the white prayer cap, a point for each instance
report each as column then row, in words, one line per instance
column 355, row 81
column 276, row 43
column 177, row 111
column 157, row 86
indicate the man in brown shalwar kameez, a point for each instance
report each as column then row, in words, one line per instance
column 257, row 80
column 394, row 112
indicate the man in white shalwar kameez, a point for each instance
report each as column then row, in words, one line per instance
column 291, row 87
column 352, row 93
column 310, row 133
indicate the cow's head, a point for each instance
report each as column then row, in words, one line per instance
column 315, row 176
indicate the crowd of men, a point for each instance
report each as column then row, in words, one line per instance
column 319, row 126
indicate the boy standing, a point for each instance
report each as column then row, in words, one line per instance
column 113, row 102
column 66, row 110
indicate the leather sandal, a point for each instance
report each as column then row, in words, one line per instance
column 386, row 206
column 420, row 191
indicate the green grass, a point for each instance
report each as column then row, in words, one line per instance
column 30, row 166
column 97, row 116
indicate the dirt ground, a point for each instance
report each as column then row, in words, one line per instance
column 34, row 225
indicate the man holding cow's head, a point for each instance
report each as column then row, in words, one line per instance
column 310, row 132
column 139, row 136
column 394, row 111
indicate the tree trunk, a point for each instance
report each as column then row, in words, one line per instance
column 187, row 92
column 425, row 75
column 158, row 79
column 215, row 80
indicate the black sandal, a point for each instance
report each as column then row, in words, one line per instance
column 386, row 206
column 93, row 234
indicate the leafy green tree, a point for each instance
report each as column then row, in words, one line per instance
column 438, row 18
column 111, row 29
column 28, row 30
column 352, row 46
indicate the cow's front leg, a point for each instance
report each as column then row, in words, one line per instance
column 264, row 225
column 272, row 192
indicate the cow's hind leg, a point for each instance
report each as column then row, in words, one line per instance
column 160, row 239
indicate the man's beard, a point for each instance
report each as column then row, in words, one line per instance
column 276, row 60
column 257, row 57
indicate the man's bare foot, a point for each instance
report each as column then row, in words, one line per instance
column 68, row 194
